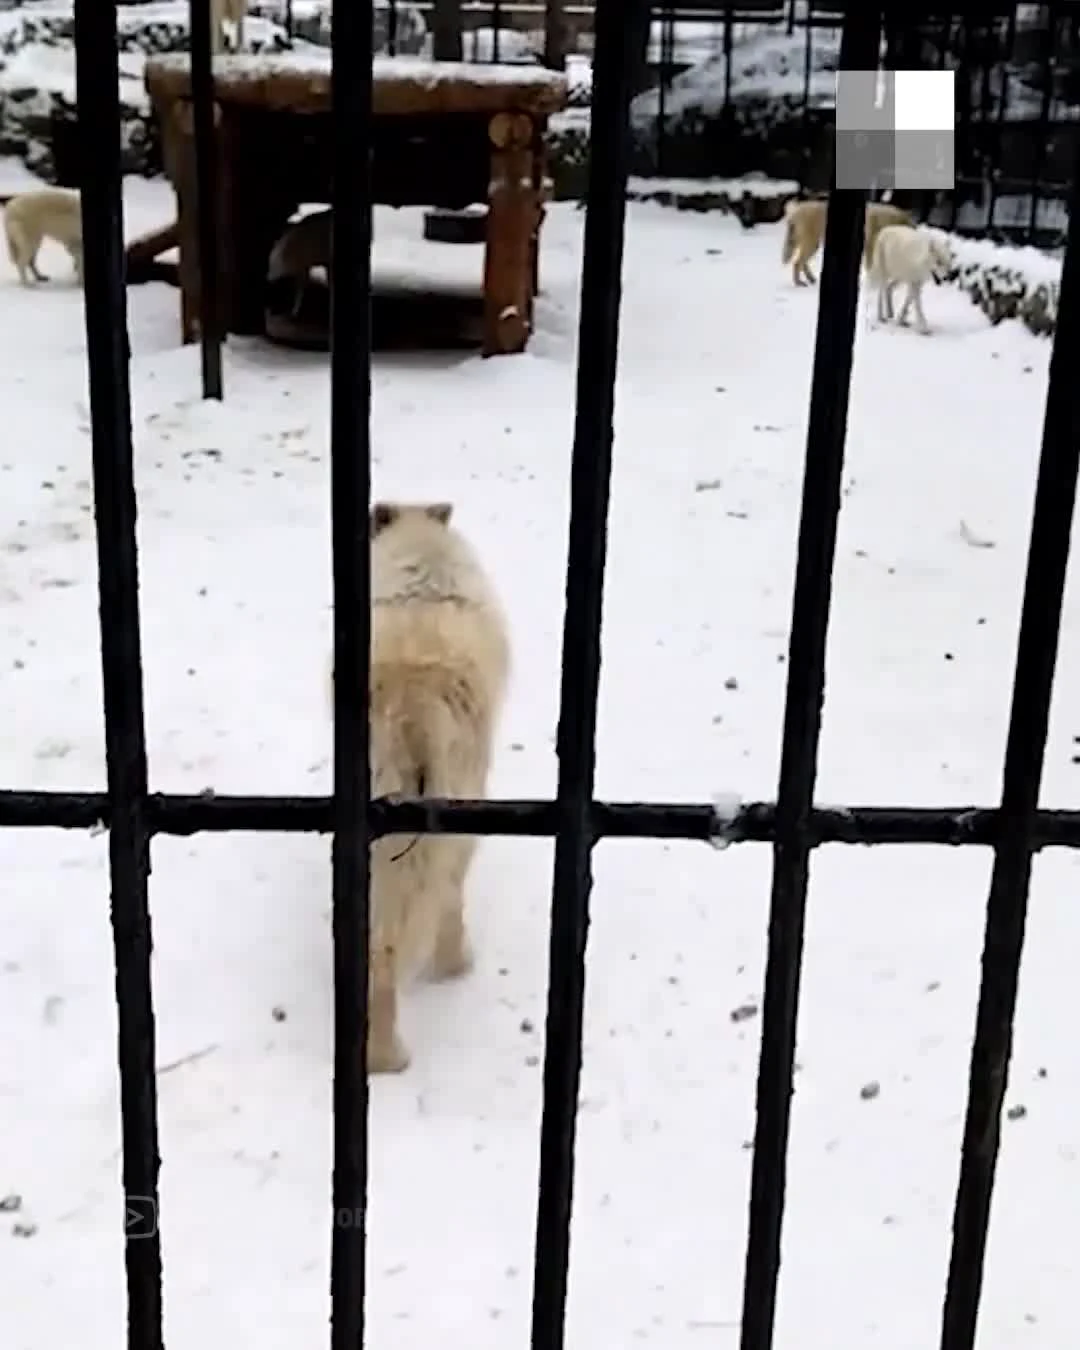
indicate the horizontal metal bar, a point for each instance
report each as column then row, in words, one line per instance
column 754, row 822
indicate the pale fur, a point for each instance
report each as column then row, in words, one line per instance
column 222, row 12
column 439, row 665
column 303, row 244
column 44, row 213
column 804, row 231
column 908, row 257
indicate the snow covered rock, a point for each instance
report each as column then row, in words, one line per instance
column 1008, row 282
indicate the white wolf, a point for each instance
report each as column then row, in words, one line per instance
column 440, row 660
column 44, row 213
column 304, row 244
column 227, row 11
column 912, row 257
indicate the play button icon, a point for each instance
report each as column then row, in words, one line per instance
column 140, row 1217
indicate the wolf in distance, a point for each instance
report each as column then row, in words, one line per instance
column 909, row 257
column 43, row 213
column 804, row 231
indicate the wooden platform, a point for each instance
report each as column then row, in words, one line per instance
column 445, row 134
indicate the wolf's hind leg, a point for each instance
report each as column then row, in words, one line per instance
column 386, row 1051
column 452, row 956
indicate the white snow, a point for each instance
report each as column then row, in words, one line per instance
column 1035, row 266
column 689, row 189
column 234, row 517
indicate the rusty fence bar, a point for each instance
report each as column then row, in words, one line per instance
column 97, row 88
column 827, row 430
column 615, row 69
column 207, row 192
column 1006, row 913
column 350, row 474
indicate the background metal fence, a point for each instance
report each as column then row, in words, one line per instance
column 745, row 87
column 1015, row 829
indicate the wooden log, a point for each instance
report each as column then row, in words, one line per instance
column 150, row 246
column 508, row 258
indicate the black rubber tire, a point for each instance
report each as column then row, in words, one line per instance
column 455, row 227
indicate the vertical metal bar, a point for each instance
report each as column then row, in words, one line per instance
column 447, row 24
column 206, row 194
column 615, row 69
column 496, row 29
column 829, row 394
column 962, row 135
column 729, row 54
column 808, row 59
column 999, row 118
column 350, row 479
column 392, row 29
column 664, row 71
column 1036, row 658
column 555, row 37
column 97, row 87
column 1042, row 134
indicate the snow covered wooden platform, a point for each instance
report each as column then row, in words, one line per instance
column 300, row 82
column 445, row 134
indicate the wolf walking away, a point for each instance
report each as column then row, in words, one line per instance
column 44, row 213
column 227, row 11
column 304, row 244
column 440, row 660
column 910, row 257
column 804, row 232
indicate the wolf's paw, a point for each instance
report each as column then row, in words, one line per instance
column 387, row 1054
column 453, row 955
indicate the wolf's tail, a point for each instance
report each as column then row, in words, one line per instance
column 12, row 239
column 876, row 270
column 275, row 268
column 789, row 241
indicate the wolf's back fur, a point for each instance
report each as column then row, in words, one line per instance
column 439, row 667
column 44, row 213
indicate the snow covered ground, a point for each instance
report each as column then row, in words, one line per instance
column 236, row 584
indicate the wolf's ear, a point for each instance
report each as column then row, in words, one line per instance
column 440, row 512
column 383, row 515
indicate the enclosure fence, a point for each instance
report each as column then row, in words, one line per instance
column 1015, row 829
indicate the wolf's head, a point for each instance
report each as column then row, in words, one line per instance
column 386, row 514
column 941, row 256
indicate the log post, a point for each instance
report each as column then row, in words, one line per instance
column 512, row 223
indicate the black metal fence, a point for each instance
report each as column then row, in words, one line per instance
column 751, row 86
column 1015, row 829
